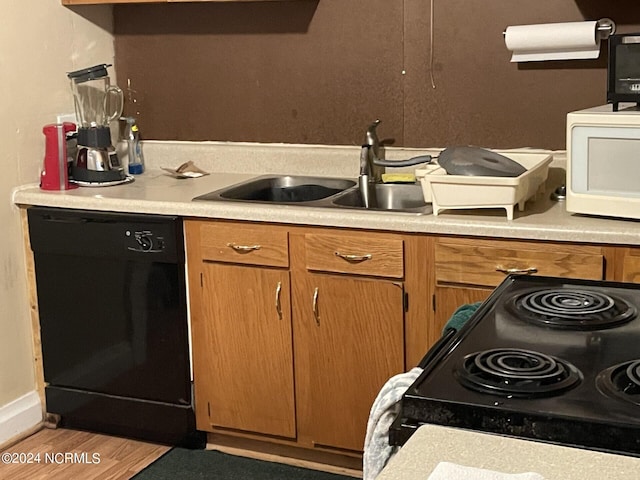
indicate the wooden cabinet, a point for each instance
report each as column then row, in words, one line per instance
column 627, row 265
column 241, row 328
column 368, row 254
column 248, row 357
column 349, row 341
column 243, row 243
column 295, row 329
column 349, row 328
column 468, row 269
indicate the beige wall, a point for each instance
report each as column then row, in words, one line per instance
column 40, row 41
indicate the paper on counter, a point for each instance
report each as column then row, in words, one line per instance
column 186, row 170
column 450, row 471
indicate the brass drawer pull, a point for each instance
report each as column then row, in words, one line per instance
column 316, row 314
column 244, row 248
column 517, row 271
column 353, row 258
column 278, row 304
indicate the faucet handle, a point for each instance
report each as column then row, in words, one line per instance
column 410, row 162
column 371, row 138
column 374, row 124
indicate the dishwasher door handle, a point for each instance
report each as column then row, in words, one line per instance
column 75, row 220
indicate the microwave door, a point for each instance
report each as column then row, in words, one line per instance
column 605, row 161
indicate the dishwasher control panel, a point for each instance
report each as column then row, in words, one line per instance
column 145, row 241
column 158, row 238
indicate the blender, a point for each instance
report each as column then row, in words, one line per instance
column 97, row 103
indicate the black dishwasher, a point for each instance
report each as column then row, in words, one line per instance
column 113, row 323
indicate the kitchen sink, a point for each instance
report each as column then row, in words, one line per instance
column 388, row 196
column 323, row 192
column 281, row 189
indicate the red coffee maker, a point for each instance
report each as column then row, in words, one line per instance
column 55, row 171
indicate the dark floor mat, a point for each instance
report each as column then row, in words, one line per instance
column 181, row 463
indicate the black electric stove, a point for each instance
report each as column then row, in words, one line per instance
column 543, row 358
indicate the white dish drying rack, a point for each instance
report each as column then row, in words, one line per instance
column 446, row 192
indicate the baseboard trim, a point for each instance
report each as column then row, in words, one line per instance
column 20, row 416
column 295, row 462
column 288, row 454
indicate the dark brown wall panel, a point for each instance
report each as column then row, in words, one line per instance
column 299, row 71
column 319, row 71
column 481, row 98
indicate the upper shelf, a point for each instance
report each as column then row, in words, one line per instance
column 102, row 2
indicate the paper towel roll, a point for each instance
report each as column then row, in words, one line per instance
column 553, row 41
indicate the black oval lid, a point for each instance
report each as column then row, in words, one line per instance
column 90, row 73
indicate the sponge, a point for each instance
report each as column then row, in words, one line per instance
column 398, row 178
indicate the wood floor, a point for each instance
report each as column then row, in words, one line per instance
column 96, row 456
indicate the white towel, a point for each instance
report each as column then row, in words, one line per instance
column 385, row 409
column 449, row 471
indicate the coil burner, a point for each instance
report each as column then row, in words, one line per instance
column 549, row 359
column 571, row 309
column 514, row 372
column 621, row 381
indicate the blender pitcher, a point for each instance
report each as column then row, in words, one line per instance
column 97, row 102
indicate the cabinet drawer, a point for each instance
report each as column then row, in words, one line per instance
column 364, row 254
column 248, row 244
column 485, row 263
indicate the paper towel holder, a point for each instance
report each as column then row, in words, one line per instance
column 605, row 27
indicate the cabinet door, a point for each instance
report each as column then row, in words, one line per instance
column 348, row 343
column 628, row 265
column 446, row 302
column 244, row 368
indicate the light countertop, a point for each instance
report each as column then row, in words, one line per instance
column 432, row 444
column 158, row 193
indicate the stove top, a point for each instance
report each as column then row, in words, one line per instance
column 543, row 358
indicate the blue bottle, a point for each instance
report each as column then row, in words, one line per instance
column 134, row 148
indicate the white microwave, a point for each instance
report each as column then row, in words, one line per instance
column 603, row 161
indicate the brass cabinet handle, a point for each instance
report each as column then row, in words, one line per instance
column 353, row 258
column 316, row 315
column 244, row 248
column 517, row 271
column 278, row 304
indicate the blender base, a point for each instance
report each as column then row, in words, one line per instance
column 81, row 183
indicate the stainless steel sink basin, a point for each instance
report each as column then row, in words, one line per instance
column 388, row 196
column 282, row 189
column 323, row 192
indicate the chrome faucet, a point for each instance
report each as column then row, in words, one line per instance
column 369, row 163
column 366, row 178
column 372, row 166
